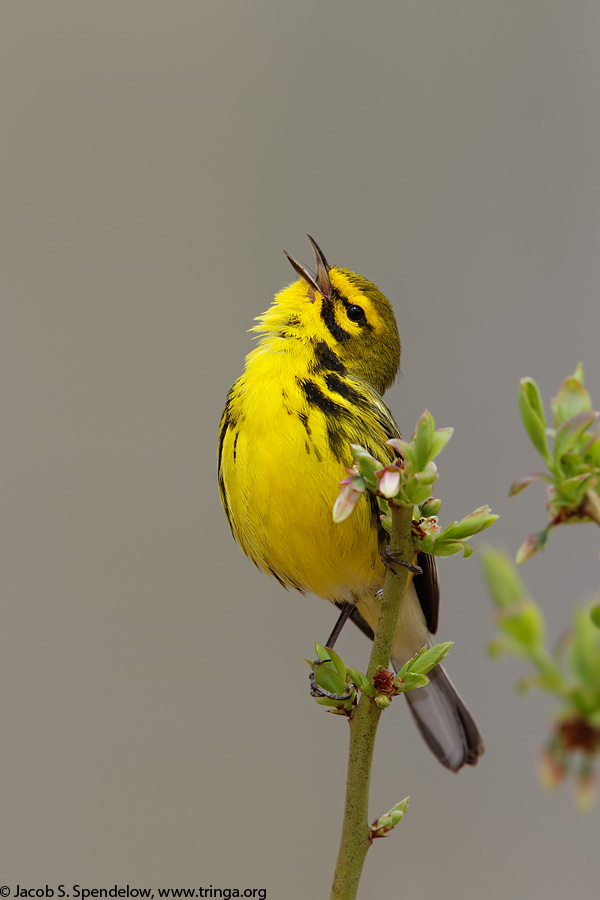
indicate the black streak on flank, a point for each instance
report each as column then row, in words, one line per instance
column 326, row 359
column 304, row 419
column 338, row 386
column 224, row 426
column 288, row 408
column 225, row 503
column 375, row 514
column 235, row 440
column 389, row 428
column 337, row 439
column 287, row 586
column 227, row 421
column 316, row 397
column 274, row 574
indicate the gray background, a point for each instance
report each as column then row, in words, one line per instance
column 156, row 159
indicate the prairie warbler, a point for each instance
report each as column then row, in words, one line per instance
column 329, row 348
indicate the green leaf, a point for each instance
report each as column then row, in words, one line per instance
column 525, row 625
column 386, row 522
column 428, row 475
column 431, row 507
column 521, row 483
column 572, row 398
column 570, row 432
column 404, row 449
column 426, row 659
column 367, row 464
column 573, row 489
column 321, row 652
column 411, row 681
column 532, row 414
column 591, row 452
column 497, row 647
column 532, row 544
column 425, row 545
column 441, row 436
column 472, row 524
column 585, row 649
column 423, row 439
column 503, row 583
column 595, row 615
column 572, row 464
column 450, row 548
column 361, row 681
column 331, row 673
column 415, row 493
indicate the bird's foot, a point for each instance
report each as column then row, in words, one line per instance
column 317, row 691
column 389, row 557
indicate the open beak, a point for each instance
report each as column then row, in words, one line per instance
column 321, row 281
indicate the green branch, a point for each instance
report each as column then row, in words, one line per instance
column 356, row 834
column 403, row 489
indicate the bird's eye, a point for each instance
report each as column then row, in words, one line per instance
column 356, row 313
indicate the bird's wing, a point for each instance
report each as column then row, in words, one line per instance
column 380, row 428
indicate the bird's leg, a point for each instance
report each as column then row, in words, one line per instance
column 342, row 619
column 388, row 557
column 315, row 690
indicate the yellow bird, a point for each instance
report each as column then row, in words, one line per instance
column 329, row 349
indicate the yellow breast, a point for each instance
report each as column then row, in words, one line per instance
column 279, row 481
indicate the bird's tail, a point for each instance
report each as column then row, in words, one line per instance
column 445, row 722
column 440, row 715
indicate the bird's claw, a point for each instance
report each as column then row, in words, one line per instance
column 388, row 557
column 317, row 691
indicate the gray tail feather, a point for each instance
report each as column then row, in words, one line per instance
column 445, row 722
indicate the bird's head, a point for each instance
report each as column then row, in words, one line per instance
column 343, row 310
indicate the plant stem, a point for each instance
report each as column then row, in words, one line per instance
column 355, row 840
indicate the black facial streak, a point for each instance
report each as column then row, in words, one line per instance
column 336, row 331
column 326, row 359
